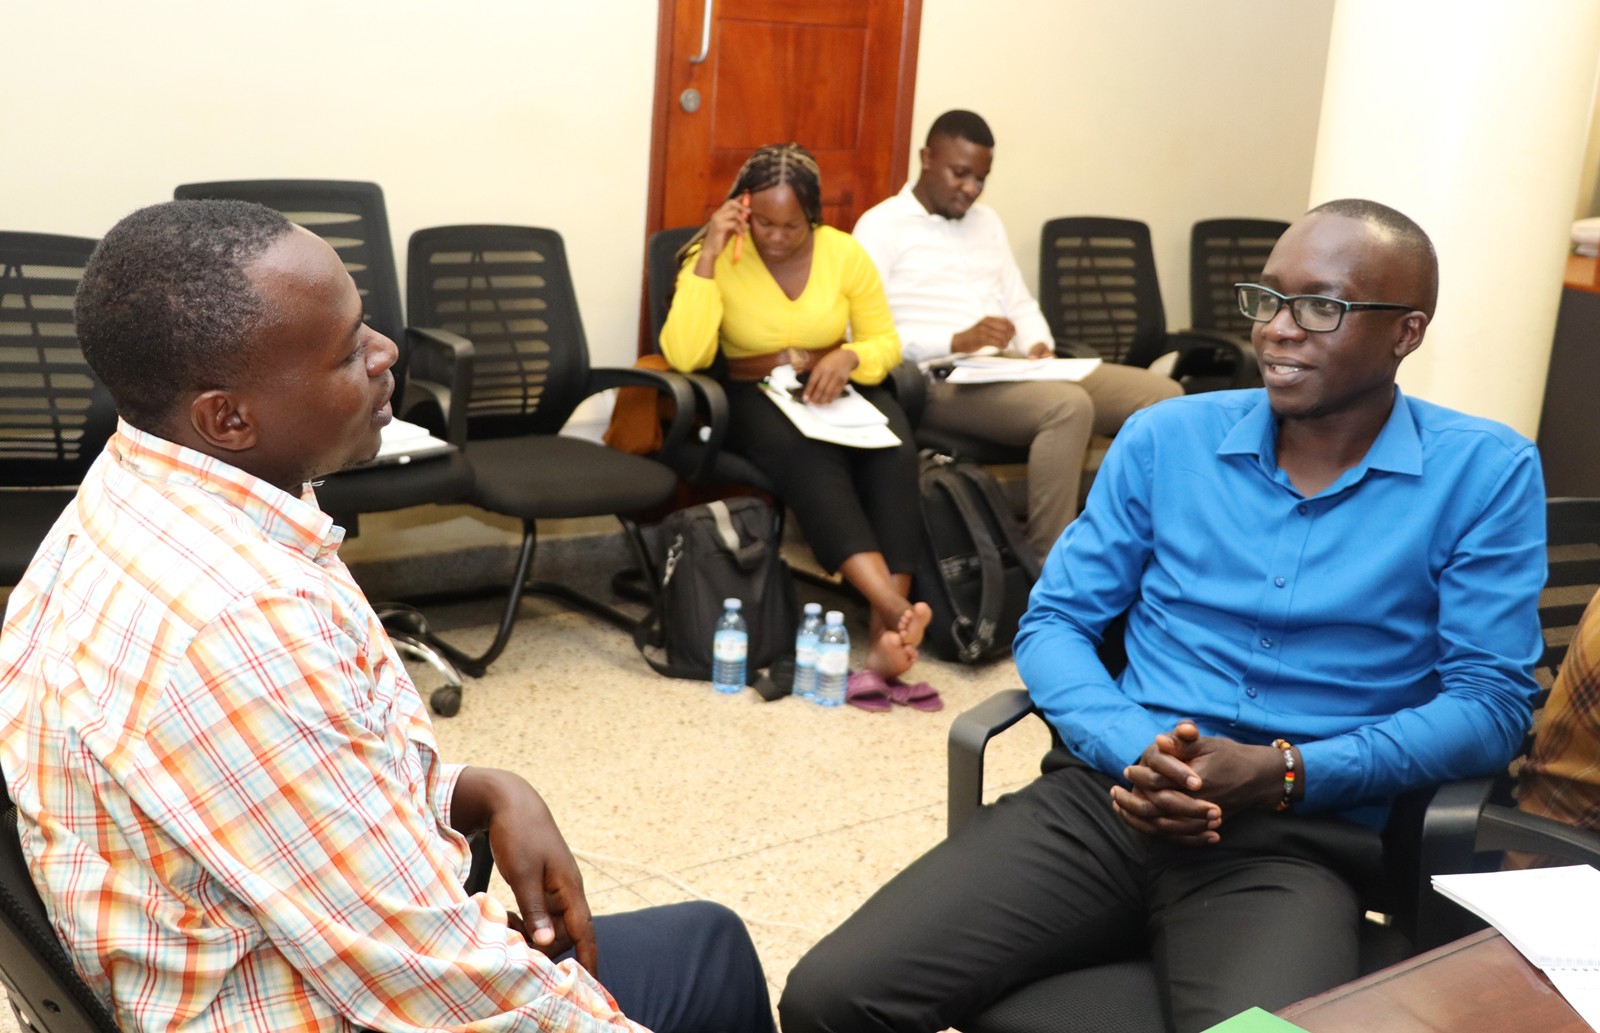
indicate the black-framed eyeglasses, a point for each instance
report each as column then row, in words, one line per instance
column 1316, row 313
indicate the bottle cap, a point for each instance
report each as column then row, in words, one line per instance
column 731, row 604
column 834, row 617
column 813, row 609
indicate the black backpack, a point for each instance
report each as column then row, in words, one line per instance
column 708, row 553
column 976, row 568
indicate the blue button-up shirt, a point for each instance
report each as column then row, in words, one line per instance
column 1387, row 625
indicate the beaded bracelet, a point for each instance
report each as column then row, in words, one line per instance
column 1288, row 773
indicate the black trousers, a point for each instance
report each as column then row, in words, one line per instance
column 848, row 500
column 1049, row 879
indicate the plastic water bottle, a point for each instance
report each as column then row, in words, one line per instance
column 729, row 647
column 833, row 661
column 805, row 652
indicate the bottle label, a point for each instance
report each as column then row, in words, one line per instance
column 805, row 651
column 833, row 661
column 730, row 646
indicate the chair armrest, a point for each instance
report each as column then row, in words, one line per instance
column 970, row 733
column 441, row 370
column 1448, row 845
column 909, row 387
column 1506, row 828
column 711, row 405
column 672, row 384
column 1210, row 351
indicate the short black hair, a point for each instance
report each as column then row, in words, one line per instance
column 1406, row 235
column 961, row 125
column 165, row 307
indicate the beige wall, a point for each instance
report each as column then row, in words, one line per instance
column 532, row 111
column 1151, row 110
column 517, row 111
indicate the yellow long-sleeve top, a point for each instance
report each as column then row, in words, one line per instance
column 744, row 311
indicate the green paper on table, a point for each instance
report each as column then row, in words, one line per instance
column 1255, row 1021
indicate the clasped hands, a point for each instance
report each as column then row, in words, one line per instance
column 1185, row 784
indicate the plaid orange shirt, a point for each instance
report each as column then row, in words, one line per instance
column 229, row 791
column 1562, row 777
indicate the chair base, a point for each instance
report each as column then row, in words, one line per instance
column 408, row 630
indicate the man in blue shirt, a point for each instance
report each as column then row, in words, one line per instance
column 1331, row 594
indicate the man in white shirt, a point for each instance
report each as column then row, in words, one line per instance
column 954, row 286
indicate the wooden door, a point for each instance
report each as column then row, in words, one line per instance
column 834, row 75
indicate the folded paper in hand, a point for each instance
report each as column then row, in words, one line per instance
column 848, row 420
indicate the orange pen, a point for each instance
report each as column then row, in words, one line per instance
column 738, row 240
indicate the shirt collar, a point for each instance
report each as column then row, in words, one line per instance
column 908, row 201
column 295, row 522
column 1397, row 448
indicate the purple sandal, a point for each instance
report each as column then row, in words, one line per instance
column 918, row 696
column 867, row 690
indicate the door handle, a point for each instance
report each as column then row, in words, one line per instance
column 705, row 36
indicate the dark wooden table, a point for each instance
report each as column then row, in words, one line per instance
column 1478, row 984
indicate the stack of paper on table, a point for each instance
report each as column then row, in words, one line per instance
column 993, row 369
column 1551, row 915
column 847, row 420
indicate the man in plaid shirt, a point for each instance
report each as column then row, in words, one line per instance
column 229, row 793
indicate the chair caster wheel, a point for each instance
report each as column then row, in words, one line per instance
column 446, row 701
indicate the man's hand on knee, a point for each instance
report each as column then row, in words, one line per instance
column 533, row 859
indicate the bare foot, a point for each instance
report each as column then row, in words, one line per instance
column 914, row 622
column 890, row 656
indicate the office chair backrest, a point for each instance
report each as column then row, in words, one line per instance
column 46, row 992
column 55, row 416
column 353, row 219
column 1098, row 286
column 509, row 291
column 1223, row 252
column 661, row 274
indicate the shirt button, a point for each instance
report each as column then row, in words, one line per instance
column 1266, row 643
column 1302, row 509
column 1278, row 581
column 1251, row 692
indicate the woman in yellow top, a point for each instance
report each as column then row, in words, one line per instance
column 788, row 298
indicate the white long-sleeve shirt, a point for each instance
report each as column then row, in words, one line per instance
column 944, row 275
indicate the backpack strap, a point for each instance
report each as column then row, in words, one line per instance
column 649, row 634
column 990, row 490
column 973, row 639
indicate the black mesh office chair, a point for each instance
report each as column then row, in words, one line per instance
column 509, row 289
column 1430, row 832
column 352, row 218
column 55, row 416
column 1223, row 252
column 1101, row 296
column 47, row 995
